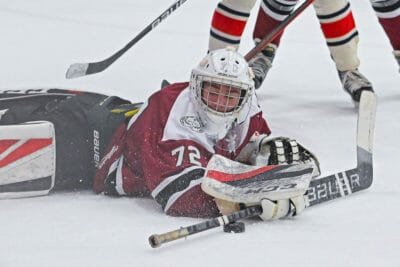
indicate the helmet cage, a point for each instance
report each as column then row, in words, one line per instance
column 221, row 105
column 225, row 76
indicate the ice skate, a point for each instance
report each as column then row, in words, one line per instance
column 354, row 83
column 261, row 64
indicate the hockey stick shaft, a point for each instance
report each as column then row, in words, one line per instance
column 277, row 30
column 82, row 69
column 157, row 240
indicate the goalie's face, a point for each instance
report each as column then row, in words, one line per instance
column 221, row 89
column 220, row 97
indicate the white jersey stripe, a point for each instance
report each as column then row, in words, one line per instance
column 112, row 167
column 177, row 195
column 119, row 178
column 170, row 179
column 117, row 167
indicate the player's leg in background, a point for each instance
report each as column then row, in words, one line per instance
column 228, row 23
column 339, row 29
column 388, row 13
column 270, row 14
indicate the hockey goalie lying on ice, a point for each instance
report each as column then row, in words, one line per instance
column 52, row 140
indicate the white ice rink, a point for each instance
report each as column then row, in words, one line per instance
column 302, row 98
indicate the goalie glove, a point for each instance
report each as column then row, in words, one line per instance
column 273, row 210
column 283, row 150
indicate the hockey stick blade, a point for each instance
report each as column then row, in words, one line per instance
column 77, row 70
column 82, row 69
column 350, row 181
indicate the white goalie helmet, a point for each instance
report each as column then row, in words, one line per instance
column 221, row 89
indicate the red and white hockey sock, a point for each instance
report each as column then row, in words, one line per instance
column 228, row 23
column 339, row 28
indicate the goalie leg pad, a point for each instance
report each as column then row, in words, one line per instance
column 27, row 159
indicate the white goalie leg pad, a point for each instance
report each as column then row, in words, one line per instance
column 27, row 159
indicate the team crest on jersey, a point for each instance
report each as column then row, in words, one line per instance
column 192, row 122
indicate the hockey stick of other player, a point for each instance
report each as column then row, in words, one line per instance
column 320, row 190
column 277, row 30
column 82, row 69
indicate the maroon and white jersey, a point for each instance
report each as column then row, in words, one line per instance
column 162, row 152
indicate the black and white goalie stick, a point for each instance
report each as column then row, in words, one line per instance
column 359, row 178
column 320, row 190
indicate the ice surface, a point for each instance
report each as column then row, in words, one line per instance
column 301, row 97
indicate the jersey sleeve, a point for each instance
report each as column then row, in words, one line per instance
column 105, row 177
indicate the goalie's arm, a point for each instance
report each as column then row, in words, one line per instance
column 176, row 189
column 180, row 194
